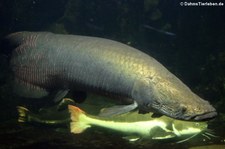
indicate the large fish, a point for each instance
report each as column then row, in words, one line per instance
column 44, row 62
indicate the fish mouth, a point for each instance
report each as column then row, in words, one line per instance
column 201, row 117
column 205, row 116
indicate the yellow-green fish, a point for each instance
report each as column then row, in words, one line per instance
column 132, row 124
column 138, row 125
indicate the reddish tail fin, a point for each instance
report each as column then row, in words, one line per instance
column 79, row 123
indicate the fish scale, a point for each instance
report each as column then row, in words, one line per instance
column 62, row 60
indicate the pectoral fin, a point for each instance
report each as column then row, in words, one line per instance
column 117, row 110
column 159, row 133
column 60, row 95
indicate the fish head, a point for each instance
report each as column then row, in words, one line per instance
column 183, row 107
column 173, row 98
column 181, row 128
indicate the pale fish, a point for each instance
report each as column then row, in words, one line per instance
column 137, row 125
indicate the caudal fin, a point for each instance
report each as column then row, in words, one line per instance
column 78, row 120
column 23, row 114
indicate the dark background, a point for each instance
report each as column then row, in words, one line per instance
column 195, row 52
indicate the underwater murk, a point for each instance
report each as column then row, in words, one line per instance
column 186, row 37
